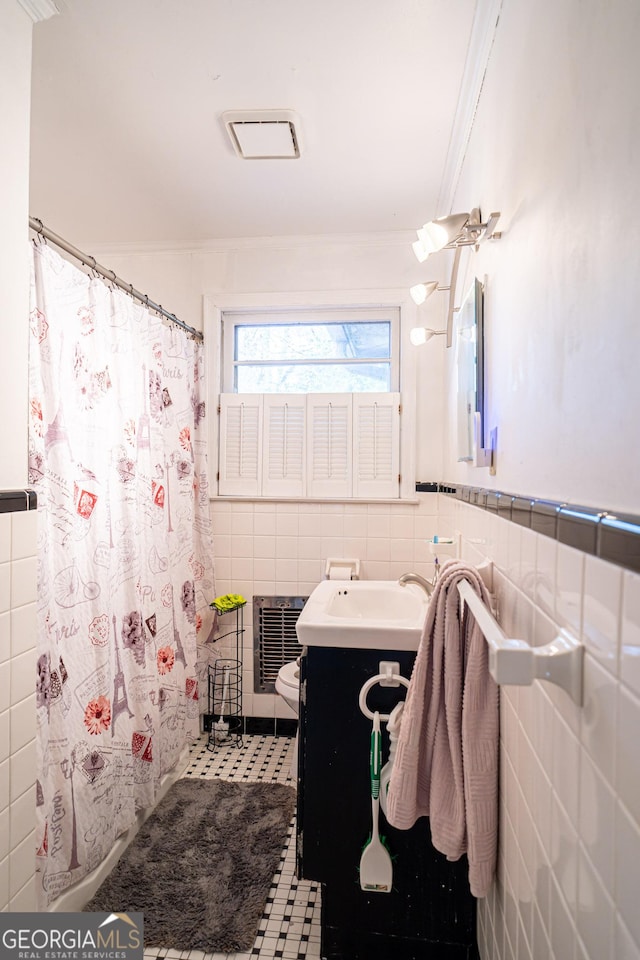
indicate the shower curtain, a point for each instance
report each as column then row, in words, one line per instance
column 117, row 456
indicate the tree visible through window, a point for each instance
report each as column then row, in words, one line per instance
column 311, row 355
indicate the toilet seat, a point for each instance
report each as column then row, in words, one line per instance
column 288, row 686
column 289, row 676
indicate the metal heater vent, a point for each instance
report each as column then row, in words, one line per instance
column 274, row 638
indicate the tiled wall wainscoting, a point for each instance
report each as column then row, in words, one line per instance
column 569, row 862
column 569, row 853
column 279, row 548
column 17, row 709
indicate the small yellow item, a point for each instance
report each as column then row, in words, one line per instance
column 230, row 601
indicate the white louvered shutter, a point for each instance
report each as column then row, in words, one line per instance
column 240, row 444
column 283, row 471
column 376, row 428
column 329, row 448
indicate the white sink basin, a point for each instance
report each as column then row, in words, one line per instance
column 368, row 614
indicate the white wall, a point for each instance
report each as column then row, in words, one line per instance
column 180, row 278
column 556, row 148
column 17, row 531
column 15, row 82
column 569, row 828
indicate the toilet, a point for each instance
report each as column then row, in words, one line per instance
column 288, row 686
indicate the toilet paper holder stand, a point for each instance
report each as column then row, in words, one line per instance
column 337, row 568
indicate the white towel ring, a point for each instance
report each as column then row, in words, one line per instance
column 371, row 682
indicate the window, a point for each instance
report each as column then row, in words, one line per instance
column 341, row 350
column 310, row 403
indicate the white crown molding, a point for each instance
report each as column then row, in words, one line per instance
column 483, row 31
column 39, row 9
column 393, row 238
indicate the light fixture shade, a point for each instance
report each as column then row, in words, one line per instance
column 438, row 233
column 420, row 251
column 421, row 291
column 420, row 335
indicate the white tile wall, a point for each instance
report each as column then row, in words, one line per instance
column 569, row 853
column 17, row 710
column 569, row 857
column 268, row 547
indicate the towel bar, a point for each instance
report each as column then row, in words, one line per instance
column 515, row 662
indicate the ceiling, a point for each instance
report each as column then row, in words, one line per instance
column 127, row 139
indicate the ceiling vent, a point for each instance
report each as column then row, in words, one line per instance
column 264, row 134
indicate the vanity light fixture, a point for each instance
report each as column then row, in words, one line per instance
column 421, row 291
column 454, row 232
column 420, row 335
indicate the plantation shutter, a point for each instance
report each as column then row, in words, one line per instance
column 376, row 429
column 240, row 444
column 329, row 450
column 283, row 472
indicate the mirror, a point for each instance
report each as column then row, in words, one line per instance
column 470, row 368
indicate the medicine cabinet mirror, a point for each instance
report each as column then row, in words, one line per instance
column 470, row 369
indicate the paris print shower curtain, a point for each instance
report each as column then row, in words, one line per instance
column 117, row 456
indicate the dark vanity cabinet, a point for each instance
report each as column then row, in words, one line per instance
column 430, row 912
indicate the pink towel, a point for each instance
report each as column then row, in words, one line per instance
column 446, row 765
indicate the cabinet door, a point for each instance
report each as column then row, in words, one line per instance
column 430, row 911
column 302, row 728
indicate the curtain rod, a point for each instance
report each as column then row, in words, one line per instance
column 109, row 275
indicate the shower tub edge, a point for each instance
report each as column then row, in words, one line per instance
column 74, row 898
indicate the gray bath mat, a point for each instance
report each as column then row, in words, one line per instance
column 201, row 866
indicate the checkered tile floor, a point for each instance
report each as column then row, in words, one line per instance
column 290, row 925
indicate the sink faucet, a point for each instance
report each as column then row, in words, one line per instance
column 416, row 578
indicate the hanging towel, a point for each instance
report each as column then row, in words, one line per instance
column 446, row 765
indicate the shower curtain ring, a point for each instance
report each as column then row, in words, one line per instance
column 41, row 235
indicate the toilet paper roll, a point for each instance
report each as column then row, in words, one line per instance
column 338, row 572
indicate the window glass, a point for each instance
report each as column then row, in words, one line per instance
column 313, row 378
column 335, row 350
column 313, row 341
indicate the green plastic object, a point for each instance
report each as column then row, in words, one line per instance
column 230, row 601
column 376, row 867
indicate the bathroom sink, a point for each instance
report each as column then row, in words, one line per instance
column 368, row 614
